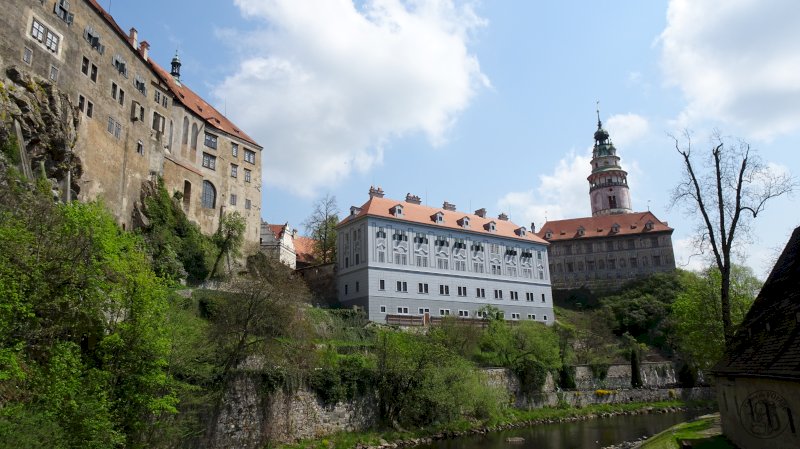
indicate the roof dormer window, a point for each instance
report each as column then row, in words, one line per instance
column 649, row 225
column 548, row 235
column 397, row 210
column 438, row 217
column 491, row 226
column 581, row 231
column 615, row 228
column 521, row 231
column 464, row 222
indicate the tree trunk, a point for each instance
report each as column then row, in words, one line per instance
column 725, row 302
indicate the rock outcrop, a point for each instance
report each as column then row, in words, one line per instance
column 47, row 124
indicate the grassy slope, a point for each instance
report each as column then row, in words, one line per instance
column 704, row 432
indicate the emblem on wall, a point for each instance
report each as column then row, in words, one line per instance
column 764, row 414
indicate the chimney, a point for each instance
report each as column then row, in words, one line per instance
column 481, row 212
column 133, row 38
column 375, row 192
column 449, row 206
column 502, row 216
column 413, row 199
column 533, row 227
column 143, row 49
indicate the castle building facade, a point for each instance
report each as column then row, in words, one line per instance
column 403, row 262
column 138, row 121
column 615, row 244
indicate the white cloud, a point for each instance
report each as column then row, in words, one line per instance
column 325, row 84
column 688, row 257
column 625, row 129
column 562, row 194
column 736, row 61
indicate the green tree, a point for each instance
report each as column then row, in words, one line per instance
column 697, row 312
column 228, row 238
column 321, row 226
column 81, row 314
column 727, row 198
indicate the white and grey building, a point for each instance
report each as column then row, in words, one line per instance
column 400, row 259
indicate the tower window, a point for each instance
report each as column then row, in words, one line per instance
column 612, row 201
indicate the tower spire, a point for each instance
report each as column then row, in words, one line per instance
column 608, row 182
column 599, row 123
column 176, row 67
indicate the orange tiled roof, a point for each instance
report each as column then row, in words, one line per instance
column 200, row 107
column 277, row 230
column 304, row 249
column 417, row 213
column 183, row 94
column 600, row 226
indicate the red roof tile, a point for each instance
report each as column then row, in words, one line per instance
column 200, row 107
column 183, row 94
column 601, row 226
column 304, row 249
column 415, row 213
column 277, row 230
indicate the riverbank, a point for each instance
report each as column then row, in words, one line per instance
column 515, row 418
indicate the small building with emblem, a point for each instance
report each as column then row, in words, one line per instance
column 758, row 379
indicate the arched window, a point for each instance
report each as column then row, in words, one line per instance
column 209, row 195
column 187, row 194
column 185, row 130
column 195, row 131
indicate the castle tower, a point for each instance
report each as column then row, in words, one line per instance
column 608, row 183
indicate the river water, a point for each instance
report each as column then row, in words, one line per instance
column 589, row 434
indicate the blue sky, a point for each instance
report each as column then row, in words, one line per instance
column 490, row 104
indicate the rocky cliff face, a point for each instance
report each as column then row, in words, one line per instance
column 39, row 128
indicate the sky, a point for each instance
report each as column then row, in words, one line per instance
column 492, row 103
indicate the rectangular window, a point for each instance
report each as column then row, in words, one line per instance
column 89, row 108
column 357, row 286
column 139, row 84
column 44, row 35
column 248, row 204
column 345, row 288
column 477, row 267
column 140, row 148
column 114, row 128
column 81, row 102
column 514, row 316
column 85, row 66
column 461, row 265
column 159, row 121
column 27, row 55
column 211, row 141
column 543, row 298
column 157, row 96
column 234, row 170
column 93, row 73
column 114, row 88
column 402, row 310
column 233, row 199
column 246, row 175
column 463, row 313
column 235, row 149
column 514, row 296
column 209, row 161
column 480, row 293
column 402, row 286
column 38, row 31
column 424, row 310
column 61, row 9
column 444, row 290
column 422, row 261
column 498, row 294
column 422, row 287
column 442, row 264
column 249, row 156
column 462, row 291
column 444, row 312
column 400, row 259
column 383, row 309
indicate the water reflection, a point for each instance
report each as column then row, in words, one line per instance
column 590, row 434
